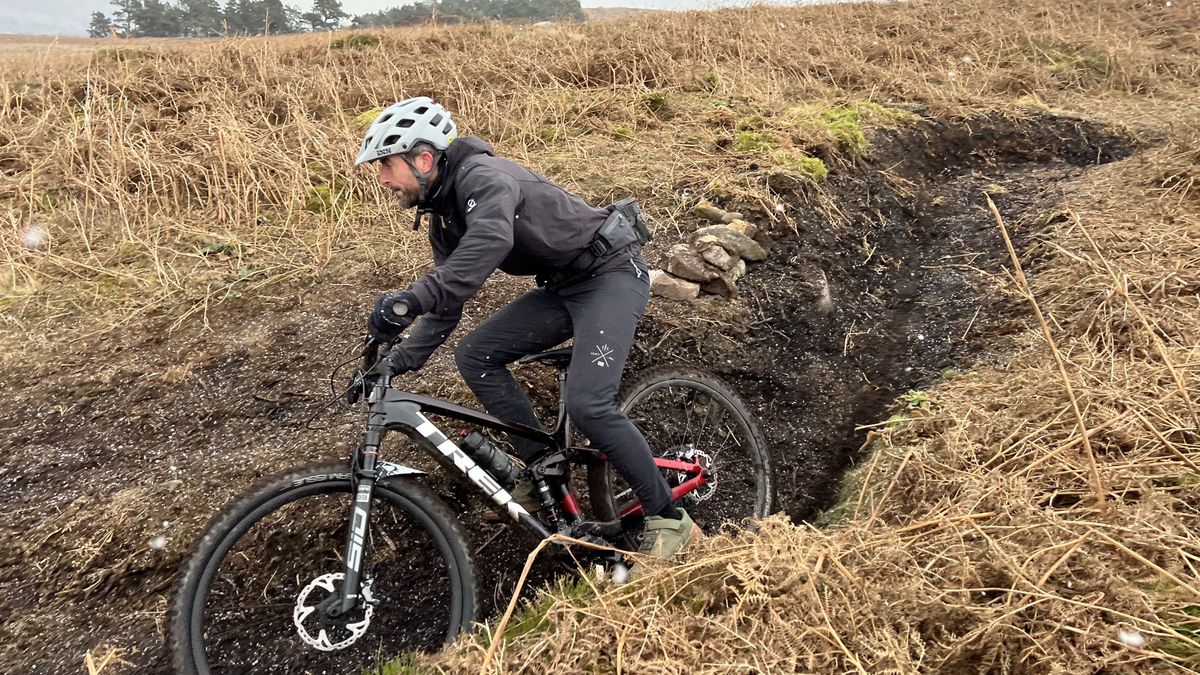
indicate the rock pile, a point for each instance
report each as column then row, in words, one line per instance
column 713, row 261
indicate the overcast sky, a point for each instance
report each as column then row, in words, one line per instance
column 70, row 17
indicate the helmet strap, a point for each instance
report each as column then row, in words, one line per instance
column 422, row 180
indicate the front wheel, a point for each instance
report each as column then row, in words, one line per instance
column 688, row 414
column 251, row 593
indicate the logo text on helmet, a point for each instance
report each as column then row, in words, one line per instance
column 381, row 152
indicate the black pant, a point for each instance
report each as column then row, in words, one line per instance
column 601, row 312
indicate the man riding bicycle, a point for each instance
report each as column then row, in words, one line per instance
column 489, row 213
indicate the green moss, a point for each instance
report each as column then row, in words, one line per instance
column 364, row 119
column 798, row 162
column 229, row 248
column 402, row 665
column 47, row 203
column 753, row 141
column 752, row 123
column 843, row 124
column 915, row 398
column 1185, row 623
column 552, row 134
column 355, row 41
column 657, row 103
column 118, row 54
column 708, row 82
column 623, row 132
column 323, row 198
column 1059, row 58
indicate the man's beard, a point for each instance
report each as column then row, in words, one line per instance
column 407, row 200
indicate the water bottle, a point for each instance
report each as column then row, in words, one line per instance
column 493, row 460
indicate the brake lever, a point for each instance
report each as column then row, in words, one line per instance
column 373, row 354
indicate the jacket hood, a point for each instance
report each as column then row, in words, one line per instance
column 458, row 152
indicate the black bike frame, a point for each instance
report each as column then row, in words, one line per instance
column 390, row 409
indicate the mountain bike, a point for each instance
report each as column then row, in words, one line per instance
column 333, row 568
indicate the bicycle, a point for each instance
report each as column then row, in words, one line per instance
column 290, row 576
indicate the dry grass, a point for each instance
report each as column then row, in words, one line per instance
column 170, row 174
column 175, row 176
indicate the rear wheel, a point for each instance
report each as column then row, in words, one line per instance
column 249, row 600
column 688, row 414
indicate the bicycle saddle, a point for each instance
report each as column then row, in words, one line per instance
column 558, row 358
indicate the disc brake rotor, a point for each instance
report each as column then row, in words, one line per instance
column 305, row 610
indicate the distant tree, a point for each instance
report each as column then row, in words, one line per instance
column 242, row 17
column 100, row 26
column 278, row 19
column 569, row 10
column 155, row 18
column 123, row 15
column 520, row 10
column 408, row 15
column 325, row 15
column 473, row 10
column 200, row 18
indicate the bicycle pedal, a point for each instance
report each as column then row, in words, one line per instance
column 604, row 530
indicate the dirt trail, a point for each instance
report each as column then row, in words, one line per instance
column 121, row 450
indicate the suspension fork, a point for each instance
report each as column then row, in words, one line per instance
column 363, row 477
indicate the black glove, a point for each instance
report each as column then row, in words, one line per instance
column 386, row 323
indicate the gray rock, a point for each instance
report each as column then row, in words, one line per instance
column 739, row 270
column 745, row 227
column 686, row 263
column 726, row 284
column 715, row 214
column 722, row 286
column 815, row 286
column 735, row 242
column 666, row 286
column 716, row 255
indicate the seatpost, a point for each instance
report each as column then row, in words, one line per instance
column 563, row 423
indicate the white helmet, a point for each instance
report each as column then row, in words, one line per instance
column 404, row 124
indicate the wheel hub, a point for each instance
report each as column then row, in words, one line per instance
column 312, row 613
column 689, row 453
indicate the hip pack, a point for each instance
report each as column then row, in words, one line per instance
column 623, row 227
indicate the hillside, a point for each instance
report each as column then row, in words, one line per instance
column 965, row 484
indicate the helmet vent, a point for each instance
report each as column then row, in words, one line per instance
column 404, row 123
column 446, row 129
column 435, row 120
column 421, row 111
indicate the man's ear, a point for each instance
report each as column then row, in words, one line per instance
column 426, row 161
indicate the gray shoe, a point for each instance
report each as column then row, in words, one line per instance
column 664, row 537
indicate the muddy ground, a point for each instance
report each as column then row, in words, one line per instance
column 118, row 452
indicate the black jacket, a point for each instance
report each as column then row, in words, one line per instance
column 489, row 213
